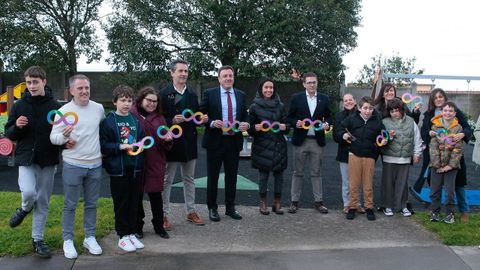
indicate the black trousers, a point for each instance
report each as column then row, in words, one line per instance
column 228, row 155
column 156, row 204
column 125, row 190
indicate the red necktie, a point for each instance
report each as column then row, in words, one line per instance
column 230, row 111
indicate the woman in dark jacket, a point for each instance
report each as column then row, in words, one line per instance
column 349, row 107
column 437, row 98
column 269, row 148
column 389, row 92
column 148, row 110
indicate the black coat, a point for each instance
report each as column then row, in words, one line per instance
column 343, row 146
column 269, row 149
column 299, row 110
column 461, row 178
column 365, row 133
column 185, row 147
column 33, row 140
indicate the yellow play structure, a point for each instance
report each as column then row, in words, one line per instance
column 17, row 93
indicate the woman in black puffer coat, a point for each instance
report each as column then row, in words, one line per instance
column 269, row 148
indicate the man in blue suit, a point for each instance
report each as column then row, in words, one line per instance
column 224, row 105
column 308, row 143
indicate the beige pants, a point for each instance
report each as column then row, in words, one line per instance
column 360, row 174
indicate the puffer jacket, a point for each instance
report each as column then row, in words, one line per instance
column 441, row 152
column 269, row 149
column 33, row 140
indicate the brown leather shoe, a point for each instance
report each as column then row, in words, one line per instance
column 464, row 218
column 320, row 208
column 263, row 206
column 166, row 225
column 195, row 219
column 277, row 206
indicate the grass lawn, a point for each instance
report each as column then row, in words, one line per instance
column 18, row 241
column 456, row 234
column 3, row 121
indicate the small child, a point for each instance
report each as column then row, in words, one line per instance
column 361, row 130
column 405, row 145
column 117, row 132
column 445, row 154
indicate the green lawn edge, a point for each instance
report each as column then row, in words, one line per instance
column 18, row 241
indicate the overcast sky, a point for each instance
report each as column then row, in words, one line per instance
column 443, row 35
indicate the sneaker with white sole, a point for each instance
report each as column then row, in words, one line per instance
column 125, row 244
column 388, row 212
column 69, row 249
column 405, row 212
column 93, row 247
column 136, row 242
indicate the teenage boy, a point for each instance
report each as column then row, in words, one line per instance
column 35, row 155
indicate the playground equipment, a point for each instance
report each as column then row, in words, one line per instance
column 18, row 91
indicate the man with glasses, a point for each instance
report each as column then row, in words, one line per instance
column 308, row 139
column 175, row 98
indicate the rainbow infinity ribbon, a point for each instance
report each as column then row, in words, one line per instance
column 233, row 126
column 6, row 146
column 141, row 146
column 309, row 123
column 266, row 126
column 442, row 134
column 193, row 116
column 63, row 118
column 163, row 130
column 385, row 135
column 407, row 98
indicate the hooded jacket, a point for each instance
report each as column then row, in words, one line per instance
column 33, row 141
column 443, row 153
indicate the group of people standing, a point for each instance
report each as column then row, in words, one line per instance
column 96, row 141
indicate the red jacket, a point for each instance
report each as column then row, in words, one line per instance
column 155, row 157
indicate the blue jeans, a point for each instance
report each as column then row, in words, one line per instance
column 462, row 200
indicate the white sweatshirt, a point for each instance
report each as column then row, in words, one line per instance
column 86, row 151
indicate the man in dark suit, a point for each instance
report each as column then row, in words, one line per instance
column 224, row 105
column 308, row 143
column 176, row 97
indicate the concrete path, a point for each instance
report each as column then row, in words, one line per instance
column 306, row 240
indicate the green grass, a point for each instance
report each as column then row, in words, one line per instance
column 3, row 121
column 456, row 234
column 18, row 241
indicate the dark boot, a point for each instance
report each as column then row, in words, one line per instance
column 17, row 217
column 263, row 206
column 293, row 208
column 277, row 206
column 41, row 249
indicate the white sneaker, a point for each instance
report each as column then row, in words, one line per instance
column 69, row 249
column 136, row 242
column 125, row 244
column 388, row 212
column 93, row 247
column 405, row 212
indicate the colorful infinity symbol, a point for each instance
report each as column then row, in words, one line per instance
column 407, row 98
column 442, row 134
column 6, row 146
column 162, row 131
column 234, row 126
column 140, row 146
column 266, row 126
column 308, row 123
column 193, row 116
column 385, row 135
column 63, row 118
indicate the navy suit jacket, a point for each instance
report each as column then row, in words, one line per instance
column 299, row 110
column 211, row 104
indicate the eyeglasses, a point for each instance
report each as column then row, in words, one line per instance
column 151, row 100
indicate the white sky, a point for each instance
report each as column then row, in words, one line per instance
column 443, row 35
